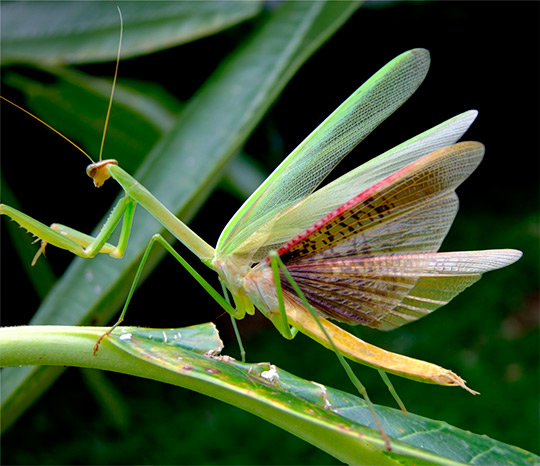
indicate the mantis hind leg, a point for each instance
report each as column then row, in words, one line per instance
column 277, row 263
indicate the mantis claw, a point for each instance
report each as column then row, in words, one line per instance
column 39, row 252
column 105, row 335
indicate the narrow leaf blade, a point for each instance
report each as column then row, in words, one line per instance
column 87, row 32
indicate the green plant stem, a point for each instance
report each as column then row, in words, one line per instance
column 73, row 346
column 329, row 419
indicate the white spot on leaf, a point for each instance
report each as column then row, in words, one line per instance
column 271, row 374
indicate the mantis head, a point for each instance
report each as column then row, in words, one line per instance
column 98, row 171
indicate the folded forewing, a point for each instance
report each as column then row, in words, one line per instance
column 388, row 209
column 304, row 169
column 271, row 233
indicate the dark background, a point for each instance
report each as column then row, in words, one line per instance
column 485, row 55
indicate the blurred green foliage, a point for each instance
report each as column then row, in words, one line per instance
column 484, row 58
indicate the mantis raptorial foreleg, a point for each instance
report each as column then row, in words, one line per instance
column 74, row 241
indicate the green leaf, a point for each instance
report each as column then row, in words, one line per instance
column 182, row 170
column 87, row 32
column 335, row 421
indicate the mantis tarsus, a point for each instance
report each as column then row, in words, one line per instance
column 360, row 250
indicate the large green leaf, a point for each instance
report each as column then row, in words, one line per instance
column 214, row 125
column 86, row 32
column 335, row 421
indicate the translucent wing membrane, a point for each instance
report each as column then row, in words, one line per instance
column 386, row 292
column 271, row 234
column 304, row 169
column 372, row 261
column 384, row 216
column 417, row 228
column 363, row 248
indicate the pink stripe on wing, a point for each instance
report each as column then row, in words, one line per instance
column 346, row 206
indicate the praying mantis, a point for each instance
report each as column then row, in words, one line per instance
column 360, row 250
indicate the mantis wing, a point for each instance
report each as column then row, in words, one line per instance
column 389, row 291
column 304, row 169
column 274, row 232
column 372, row 261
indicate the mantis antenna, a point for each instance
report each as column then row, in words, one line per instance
column 108, row 109
column 113, row 84
column 48, row 126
